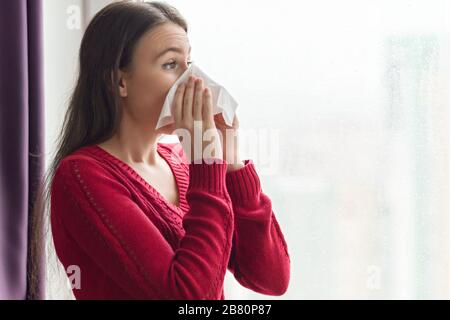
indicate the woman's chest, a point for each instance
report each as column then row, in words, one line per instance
column 163, row 182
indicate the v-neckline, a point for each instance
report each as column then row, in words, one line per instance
column 154, row 191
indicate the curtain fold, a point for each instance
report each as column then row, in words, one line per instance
column 21, row 148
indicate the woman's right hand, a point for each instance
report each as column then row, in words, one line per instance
column 194, row 122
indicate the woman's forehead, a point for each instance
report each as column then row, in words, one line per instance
column 166, row 36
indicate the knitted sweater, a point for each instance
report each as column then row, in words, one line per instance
column 126, row 241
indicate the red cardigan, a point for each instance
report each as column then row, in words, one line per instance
column 129, row 242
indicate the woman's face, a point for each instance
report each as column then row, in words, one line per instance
column 160, row 57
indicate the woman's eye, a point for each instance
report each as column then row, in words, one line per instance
column 170, row 64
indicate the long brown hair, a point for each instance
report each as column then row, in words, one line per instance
column 94, row 110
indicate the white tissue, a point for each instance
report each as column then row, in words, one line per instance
column 223, row 102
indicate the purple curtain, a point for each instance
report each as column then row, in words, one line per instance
column 21, row 145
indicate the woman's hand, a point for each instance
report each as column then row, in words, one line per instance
column 194, row 122
column 230, row 142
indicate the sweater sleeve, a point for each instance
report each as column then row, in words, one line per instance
column 98, row 213
column 259, row 259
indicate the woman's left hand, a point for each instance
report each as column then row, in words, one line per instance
column 230, row 148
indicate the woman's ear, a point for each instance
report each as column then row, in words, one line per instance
column 123, row 84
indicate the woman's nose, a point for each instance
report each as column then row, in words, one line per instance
column 185, row 66
column 183, row 69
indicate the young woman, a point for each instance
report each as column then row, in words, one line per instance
column 141, row 219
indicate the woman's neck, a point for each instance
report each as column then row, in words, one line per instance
column 134, row 143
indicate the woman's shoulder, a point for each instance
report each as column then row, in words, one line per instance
column 82, row 171
column 93, row 160
column 86, row 157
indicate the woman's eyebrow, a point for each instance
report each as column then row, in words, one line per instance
column 174, row 49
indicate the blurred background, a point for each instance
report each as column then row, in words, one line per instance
column 344, row 107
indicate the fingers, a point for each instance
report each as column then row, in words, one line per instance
column 188, row 99
column 193, row 102
column 198, row 100
column 207, row 106
column 178, row 108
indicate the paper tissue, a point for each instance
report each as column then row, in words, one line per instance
column 223, row 102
